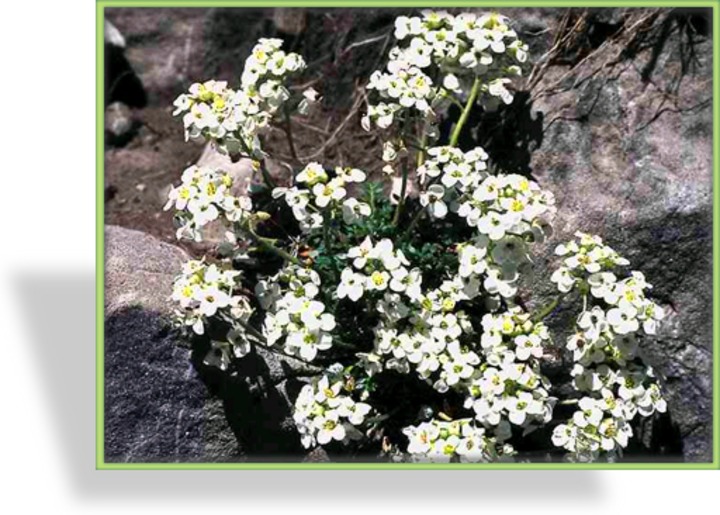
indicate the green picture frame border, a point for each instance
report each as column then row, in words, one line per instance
column 100, row 235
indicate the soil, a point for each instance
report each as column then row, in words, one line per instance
column 169, row 49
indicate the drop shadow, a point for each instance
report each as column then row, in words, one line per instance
column 63, row 348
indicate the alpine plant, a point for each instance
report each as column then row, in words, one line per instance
column 407, row 308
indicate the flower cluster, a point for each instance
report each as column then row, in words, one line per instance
column 510, row 385
column 505, row 204
column 233, row 119
column 403, row 87
column 607, row 371
column 431, row 345
column 325, row 412
column 204, row 196
column 506, row 210
column 457, row 50
column 587, row 255
column 454, row 167
column 202, row 291
column 408, row 312
column 293, row 312
column 459, row 440
column 377, row 268
column 315, row 192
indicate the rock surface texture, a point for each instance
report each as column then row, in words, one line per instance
column 156, row 407
column 626, row 149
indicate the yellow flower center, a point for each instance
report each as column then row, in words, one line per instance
column 219, row 103
column 377, row 278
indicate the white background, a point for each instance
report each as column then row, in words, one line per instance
column 47, row 212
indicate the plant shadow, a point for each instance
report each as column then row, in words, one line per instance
column 63, row 348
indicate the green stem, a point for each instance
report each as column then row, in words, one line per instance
column 326, row 232
column 569, row 402
column 268, row 245
column 466, row 112
column 263, row 170
column 549, row 308
column 288, row 132
column 403, row 188
column 413, row 223
column 421, row 150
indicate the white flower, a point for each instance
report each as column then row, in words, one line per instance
column 408, row 282
column 623, row 321
column 360, row 254
column 329, row 428
column 312, row 174
column 527, row 346
column 497, row 87
column 564, row 279
column 350, row 174
column 493, row 225
column 391, row 259
column 614, row 433
column 351, row 285
column 324, row 193
column 565, row 435
column 212, row 299
column 602, row 286
column 589, row 414
column 354, row 211
column 433, row 200
column 451, row 83
column 377, row 281
column 652, row 314
column 520, row 407
column 471, row 260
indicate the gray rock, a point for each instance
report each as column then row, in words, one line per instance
column 157, row 408
column 139, row 271
column 634, row 167
column 121, row 82
column 113, row 36
column 162, row 402
column 120, row 126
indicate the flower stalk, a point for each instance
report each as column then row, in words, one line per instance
column 472, row 97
